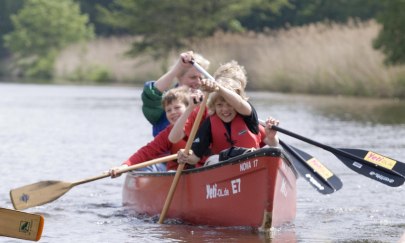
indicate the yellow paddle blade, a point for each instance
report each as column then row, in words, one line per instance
column 38, row 193
column 20, row 225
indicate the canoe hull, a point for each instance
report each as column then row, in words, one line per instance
column 258, row 189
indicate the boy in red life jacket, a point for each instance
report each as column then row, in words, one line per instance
column 175, row 102
column 183, row 127
column 234, row 122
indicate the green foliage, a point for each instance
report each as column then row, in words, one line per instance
column 93, row 73
column 391, row 39
column 165, row 25
column 41, row 29
column 8, row 7
column 37, row 67
column 90, row 8
column 298, row 13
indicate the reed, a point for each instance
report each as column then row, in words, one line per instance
column 322, row 58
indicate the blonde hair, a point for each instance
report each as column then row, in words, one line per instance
column 180, row 93
column 234, row 71
column 227, row 83
column 198, row 58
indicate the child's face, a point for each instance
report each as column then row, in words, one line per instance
column 224, row 110
column 192, row 78
column 174, row 110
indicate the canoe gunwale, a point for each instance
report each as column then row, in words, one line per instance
column 266, row 151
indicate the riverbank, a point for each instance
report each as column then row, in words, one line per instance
column 315, row 59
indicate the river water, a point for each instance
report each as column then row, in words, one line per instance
column 68, row 133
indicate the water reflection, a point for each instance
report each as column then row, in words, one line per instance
column 175, row 230
column 186, row 233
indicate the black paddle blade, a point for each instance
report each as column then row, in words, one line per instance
column 320, row 178
column 319, row 168
column 371, row 171
column 378, row 159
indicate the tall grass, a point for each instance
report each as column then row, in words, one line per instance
column 323, row 58
column 105, row 55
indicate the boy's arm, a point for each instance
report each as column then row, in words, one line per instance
column 153, row 90
column 152, row 102
column 238, row 103
column 231, row 97
column 179, row 129
column 177, row 133
column 166, row 81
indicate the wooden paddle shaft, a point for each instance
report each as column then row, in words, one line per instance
column 47, row 191
column 181, row 166
column 21, row 225
column 129, row 168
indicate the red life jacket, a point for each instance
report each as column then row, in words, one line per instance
column 240, row 135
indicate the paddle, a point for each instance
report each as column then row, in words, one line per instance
column 21, row 225
column 186, row 149
column 312, row 170
column 370, row 164
column 47, row 191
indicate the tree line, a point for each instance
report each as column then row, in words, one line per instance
column 33, row 32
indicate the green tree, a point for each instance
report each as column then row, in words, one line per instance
column 298, row 12
column 41, row 29
column 163, row 25
column 7, row 8
column 391, row 39
column 90, row 8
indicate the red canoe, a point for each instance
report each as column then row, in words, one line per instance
column 256, row 189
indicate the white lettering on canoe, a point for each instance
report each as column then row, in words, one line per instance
column 214, row 192
column 245, row 166
column 235, row 186
column 283, row 188
column 248, row 164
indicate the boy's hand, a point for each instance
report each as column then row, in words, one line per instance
column 114, row 171
column 182, row 157
column 269, row 123
column 186, row 58
column 196, row 97
column 209, row 85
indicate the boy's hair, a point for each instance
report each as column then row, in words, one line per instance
column 198, row 58
column 227, row 83
column 180, row 93
column 233, row 71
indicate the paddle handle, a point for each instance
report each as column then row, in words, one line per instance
column 181, row 166
column 202, row 70
column 129, row 168
column 147, row 163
